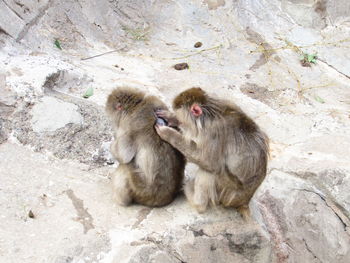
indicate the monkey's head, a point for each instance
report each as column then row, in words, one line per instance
column 123, row 101
column 193, row 108
column 193, row 100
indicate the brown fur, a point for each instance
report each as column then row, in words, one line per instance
column 229, row 148
column 151, row 170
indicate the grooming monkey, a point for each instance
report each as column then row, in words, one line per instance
column 229, row 148
column 150, row 170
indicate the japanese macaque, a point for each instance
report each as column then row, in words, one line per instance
column 150, row 170
column 228, row 147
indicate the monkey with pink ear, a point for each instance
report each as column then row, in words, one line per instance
column 229, row 148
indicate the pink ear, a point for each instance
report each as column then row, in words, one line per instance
column 196, row 110
column 118, row 106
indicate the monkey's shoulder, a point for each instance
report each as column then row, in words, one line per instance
column 238, row 119
column 154, row 103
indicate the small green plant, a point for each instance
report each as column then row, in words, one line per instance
column 58, row 44
column 139, row 34
column 319, row 99
column 307, row 59
column 88, row 93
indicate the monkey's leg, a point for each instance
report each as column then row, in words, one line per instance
column 236, row 198
column 189, row 190
column 120, row 184
column 204, row 191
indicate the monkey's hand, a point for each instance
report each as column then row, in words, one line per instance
column 168, row 116
column 176, row 139
column 188, row 149
column 168, row 134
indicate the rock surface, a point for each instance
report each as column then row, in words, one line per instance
column 51, row 114
column 56, row 204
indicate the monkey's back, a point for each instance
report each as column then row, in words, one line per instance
column 246, row 158
column 158, row 167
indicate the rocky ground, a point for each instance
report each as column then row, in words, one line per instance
column 55, row 198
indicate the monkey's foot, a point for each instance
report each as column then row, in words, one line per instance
column 200, row 208
column 200, row 205
column 122, row 199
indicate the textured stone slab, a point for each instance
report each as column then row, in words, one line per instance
column 74, row 219
column 51, row 114
column 10, row 22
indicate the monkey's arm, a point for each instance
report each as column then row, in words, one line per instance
column 123, row 149
column 189, row 150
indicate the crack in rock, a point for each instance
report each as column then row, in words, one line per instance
column 337, row 212
column 83, row 216
column 336, row 208
column 162, row 247
column 310, row 251
column 244, row 246
column 332, row 67
column 198, row 233
column 13, row 10
column 34, row 21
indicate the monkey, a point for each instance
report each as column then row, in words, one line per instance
column 229, row 148
column 150, row 170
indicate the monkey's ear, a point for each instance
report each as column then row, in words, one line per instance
column 196, row 110
column 118, row 106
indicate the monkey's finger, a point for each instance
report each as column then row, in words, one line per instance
column 161, row 114
column 159, row 131
column 159, row 128
column 156, row 127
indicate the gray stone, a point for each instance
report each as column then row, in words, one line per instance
column 7, row 107
column 75, row 219
column 335, row 58
column 338, row 10
column 304, row 36
column 8, row 96
column 306, row 13
column 10, row 22
column 26, row 9
column 324, row 161
column 298, row 216
column 51, row 114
